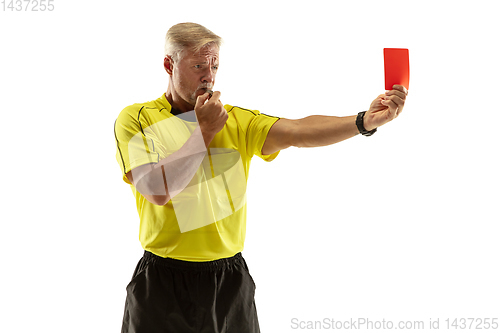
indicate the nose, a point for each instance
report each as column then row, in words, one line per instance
column 208, row 76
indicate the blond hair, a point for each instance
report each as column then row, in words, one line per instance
column 191, row 36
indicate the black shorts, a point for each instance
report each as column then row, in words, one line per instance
column 169, row 295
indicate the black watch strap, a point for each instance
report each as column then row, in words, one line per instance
column 361, row 126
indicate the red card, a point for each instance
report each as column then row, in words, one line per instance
column 396, row 67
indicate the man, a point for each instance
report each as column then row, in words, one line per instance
column 187, row 158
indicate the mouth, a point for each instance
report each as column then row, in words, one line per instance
column 205, row 90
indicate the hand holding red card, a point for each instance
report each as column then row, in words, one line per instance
column 396, row 68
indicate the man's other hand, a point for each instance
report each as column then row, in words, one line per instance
column 210, row 114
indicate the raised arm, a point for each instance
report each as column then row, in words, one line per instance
column 316, row 131
column 160, row 182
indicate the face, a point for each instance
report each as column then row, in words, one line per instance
column 194, row 74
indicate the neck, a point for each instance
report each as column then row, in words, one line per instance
column 176, row 101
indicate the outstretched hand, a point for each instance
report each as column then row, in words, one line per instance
column 385, row 107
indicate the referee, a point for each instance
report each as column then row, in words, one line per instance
column 186, row 157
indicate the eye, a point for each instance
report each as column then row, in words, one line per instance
column 215, row 68
column 197, row 66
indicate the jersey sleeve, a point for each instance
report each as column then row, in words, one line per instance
column 256, row 127
column 257, row 135
column 134, row 146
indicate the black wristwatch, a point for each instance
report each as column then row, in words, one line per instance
column 361, row 126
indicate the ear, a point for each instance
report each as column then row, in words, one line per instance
column 168, row 64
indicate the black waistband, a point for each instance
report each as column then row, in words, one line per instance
column 194, row 265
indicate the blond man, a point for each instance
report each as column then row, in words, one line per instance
column 186, row 157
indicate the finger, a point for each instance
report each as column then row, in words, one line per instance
column 379, row 99
column 400, row 88
column 393, row 107
column 200, row 100
column 216, row 95
column 398, row 93
column 398, row 102
column 388, row 102
column 396, row 99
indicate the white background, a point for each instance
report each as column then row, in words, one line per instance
column 402, row 225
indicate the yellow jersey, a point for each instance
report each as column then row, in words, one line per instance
column 207, row 219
